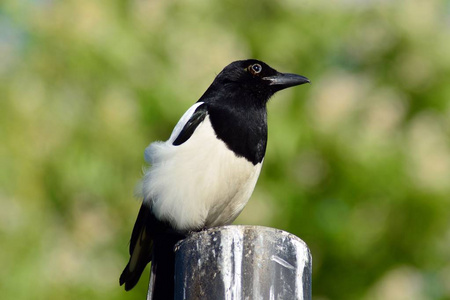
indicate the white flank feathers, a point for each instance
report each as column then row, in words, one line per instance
column 200, row 183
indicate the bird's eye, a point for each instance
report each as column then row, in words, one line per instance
column 255, row 69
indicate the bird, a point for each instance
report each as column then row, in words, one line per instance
column 205, row 173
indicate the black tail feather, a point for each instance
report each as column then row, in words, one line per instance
column 163, row 266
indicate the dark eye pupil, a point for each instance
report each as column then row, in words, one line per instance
column 256, row 68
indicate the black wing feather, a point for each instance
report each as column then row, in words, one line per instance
column 142, row 236
column 146, row 232
column 197, row 117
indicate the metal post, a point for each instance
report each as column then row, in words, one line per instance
column 242, row 262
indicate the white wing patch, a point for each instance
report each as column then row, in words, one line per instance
column 176, row 131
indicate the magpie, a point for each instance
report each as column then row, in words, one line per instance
column 204, row 174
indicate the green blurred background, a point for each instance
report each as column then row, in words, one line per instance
column 357, row 165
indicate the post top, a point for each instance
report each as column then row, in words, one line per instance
column 249, row 231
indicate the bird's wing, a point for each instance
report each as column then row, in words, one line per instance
column 151, row 240
column 188, row 123
column 147, row 227
column 184, row 129
column 141, row 245
column 139, row 229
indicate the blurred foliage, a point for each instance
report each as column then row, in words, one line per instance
column 357, row 165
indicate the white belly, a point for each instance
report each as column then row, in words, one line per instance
column 200, row 183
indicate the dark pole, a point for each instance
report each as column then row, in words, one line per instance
column 242, row 262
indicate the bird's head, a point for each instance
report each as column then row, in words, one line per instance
column 256, row 79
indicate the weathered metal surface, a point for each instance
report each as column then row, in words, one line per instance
column 242, row 262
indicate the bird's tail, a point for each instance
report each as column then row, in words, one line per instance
column 141, row 246
column 163, row 266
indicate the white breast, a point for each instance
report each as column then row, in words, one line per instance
column 200, row 183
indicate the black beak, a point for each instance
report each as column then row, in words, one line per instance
column 285, row 80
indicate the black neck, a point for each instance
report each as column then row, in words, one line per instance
column 241, row 125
